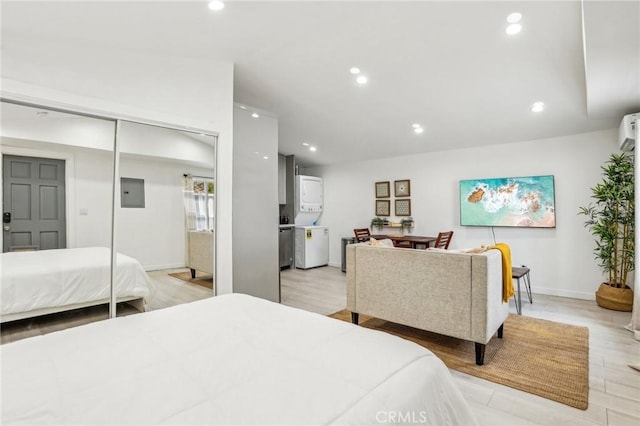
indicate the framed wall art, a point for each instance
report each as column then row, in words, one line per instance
column 403, row 207
column 383, row 208
column 383, row 189
column 527, row 201
column 403, row 188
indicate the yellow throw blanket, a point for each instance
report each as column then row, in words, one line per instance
column 507, row 279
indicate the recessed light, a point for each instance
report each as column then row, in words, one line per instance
column 361, row 79
column 265, row 157
column 416, row 125
column 242, row 107
column 514, row 17
column 313, row 149
column 255, row 115
column 354, row 70
column 418, row 130
column 513, row 29
column 305, row 144
column 216, row 5
column 537, row 106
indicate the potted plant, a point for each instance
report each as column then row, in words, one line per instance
column 378, row 222
column 406, row 223
column 611, row 221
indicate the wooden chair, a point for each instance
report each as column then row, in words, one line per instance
column 443, row 240
column 362, row 235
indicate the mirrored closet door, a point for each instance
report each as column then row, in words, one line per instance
column 57, row 184
column 82, row 193
column 166, row 211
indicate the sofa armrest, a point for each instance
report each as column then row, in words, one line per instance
column 351, row 277
column 200, row 251
column 488, row 311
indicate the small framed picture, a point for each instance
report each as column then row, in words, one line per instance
column 403, row 207
column 383, row 208
column 383, row 189
column 403, row 188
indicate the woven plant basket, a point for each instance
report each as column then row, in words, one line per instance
column 617, row 299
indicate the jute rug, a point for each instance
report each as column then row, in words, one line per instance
column 537, row 356
column 204, row 281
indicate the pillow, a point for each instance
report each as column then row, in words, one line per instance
column 381, row 243
column 465, row 250
column 480, row 249
column 438, row 249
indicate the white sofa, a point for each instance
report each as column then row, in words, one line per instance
column 446, row 292
column 200, row 252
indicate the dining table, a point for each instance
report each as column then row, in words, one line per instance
column 413, row 241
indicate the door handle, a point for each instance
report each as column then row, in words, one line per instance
column 6, row 227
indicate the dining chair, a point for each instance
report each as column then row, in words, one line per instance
column 443, row 239
column 362, row 234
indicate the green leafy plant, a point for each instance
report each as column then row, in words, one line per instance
column 406, row 223
column 610, row 218
column 378, row 222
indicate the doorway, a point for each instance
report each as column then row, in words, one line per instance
column 33, row 205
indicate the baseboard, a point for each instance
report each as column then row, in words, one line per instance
column 149, row 268
column 564, row 293
column 335, row 265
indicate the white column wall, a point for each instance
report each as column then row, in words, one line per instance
column 255, row 206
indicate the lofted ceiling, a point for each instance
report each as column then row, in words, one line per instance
column 448, row 66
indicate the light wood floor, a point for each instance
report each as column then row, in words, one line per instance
column 614, row 388
column 614, row 397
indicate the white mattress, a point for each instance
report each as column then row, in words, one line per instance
column 34, row 280
column 231, row 359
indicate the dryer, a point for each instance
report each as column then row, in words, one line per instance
column 308, row 199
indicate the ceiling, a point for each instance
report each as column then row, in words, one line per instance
column 448, row 66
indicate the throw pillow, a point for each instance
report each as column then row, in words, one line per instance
column 381, row 243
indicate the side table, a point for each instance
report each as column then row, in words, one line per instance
column 516, row 274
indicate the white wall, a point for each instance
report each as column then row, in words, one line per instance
column 190, row 92
column 255, row 205
column 166, row 143
column 561, row 259
column 155, row 234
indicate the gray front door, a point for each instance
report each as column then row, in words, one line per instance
column 33, row 203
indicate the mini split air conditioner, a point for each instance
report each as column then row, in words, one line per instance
column 627, row 132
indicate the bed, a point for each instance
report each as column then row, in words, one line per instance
column 41, row 282
column 232, row 359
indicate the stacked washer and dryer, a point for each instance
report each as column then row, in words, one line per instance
column 312, row 241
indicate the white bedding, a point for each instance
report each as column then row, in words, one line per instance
column 33, row 280
column 231, row 359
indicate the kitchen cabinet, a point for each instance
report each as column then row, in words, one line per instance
column 282, row 180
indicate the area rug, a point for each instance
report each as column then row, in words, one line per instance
column 204, row 281
column 541, row 357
